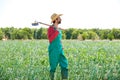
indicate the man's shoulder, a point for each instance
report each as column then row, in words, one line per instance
column 50, row 27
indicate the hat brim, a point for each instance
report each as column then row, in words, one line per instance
column 56, row 17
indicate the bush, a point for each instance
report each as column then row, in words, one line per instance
column 110, row 36
column 84, row 35
column 92, row 35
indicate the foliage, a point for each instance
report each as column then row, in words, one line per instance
column 110, row 36
column 29, row 33
column 92, row 35
column 75, row 34
column 14, row 34
column 44, row 34
column 21, row 34
column 104, row 33
column 1, row 34
column 84, row 35
column 88, row 60
column 116, row 33
column 71, row 33
column 7, row 31
column 63, row 34
column 39, row 33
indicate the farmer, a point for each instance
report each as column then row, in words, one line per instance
column 55, row 49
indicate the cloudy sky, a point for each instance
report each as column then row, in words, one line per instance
column 76, row 13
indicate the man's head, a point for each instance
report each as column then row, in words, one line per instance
column 55, row 18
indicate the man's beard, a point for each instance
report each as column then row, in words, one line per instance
column 59, row 22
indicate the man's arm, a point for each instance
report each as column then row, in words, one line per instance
column 61, row 28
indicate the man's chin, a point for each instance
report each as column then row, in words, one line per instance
column 59, row 22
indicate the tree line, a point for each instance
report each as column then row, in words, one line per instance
column 71, row 33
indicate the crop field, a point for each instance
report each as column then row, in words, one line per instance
column 88, row 60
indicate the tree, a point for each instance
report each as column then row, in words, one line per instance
column 63, row 34
column 69, row 33
column 92, row 35
column 14, row 34
column 39, row 33
column 96, row 30
column 21, row 34
column 35, row 34
column 116, row 33
column 44, row 33
column 84, row 35
column 104, row 33
column 110, row 36
column 75, row 34
column 7, row 32
column 28, row 32
column 1, row 34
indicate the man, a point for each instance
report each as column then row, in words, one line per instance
column 55, row 49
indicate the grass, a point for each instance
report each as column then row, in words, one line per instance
column 88, row 60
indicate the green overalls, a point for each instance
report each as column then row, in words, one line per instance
column 56, row 56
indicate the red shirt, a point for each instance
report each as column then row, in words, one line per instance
column 52, row 33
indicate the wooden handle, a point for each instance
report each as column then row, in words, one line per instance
column 44, row 24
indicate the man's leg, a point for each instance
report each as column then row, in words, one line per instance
column 52, row 75
column 64, row 66
column 53, row 60
column 64, row 73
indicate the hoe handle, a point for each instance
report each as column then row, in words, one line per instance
column 44, row 23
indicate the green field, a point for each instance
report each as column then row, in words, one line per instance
column 88, row 60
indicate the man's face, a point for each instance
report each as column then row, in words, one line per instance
column 59, row 20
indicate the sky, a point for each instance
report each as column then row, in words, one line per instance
column 84, row 14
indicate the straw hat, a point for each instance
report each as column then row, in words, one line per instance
column 55, row 16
